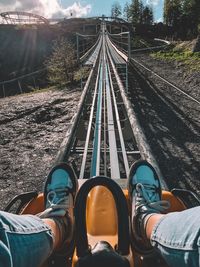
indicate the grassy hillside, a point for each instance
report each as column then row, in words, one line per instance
column 181, row 52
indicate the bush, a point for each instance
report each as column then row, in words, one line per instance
column 81, row 74
column 62, row 64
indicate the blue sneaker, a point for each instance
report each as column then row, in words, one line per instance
column 59, row 194
column 144, row 190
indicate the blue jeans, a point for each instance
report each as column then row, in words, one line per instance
column 177, row 238
column 25, row 241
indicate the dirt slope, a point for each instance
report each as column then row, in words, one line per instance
column 31, row 130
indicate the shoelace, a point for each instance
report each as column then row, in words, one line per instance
column 59, row 198
column 150, row 201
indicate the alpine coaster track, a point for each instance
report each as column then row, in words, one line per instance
column 104, row 137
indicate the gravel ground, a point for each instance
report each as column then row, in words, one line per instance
column 175, row 72
column 32, row 128
column 171, row 121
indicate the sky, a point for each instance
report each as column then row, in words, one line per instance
column 64, row 8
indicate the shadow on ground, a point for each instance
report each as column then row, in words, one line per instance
column 172, row 129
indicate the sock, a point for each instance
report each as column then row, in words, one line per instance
column 143, row 224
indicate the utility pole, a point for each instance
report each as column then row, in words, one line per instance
column 129, row 46
column 20, row 87
column 77, row 46
column 4, row 94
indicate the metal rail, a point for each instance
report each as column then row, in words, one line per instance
column 86, row 55
column 95, row 165
column 105, row 137
column 114, row 162
column 89, row 127
column 23, row 76
column 124, row 152
column 125, row 57
column 166, row 81
column 69, row 138
column 142, row 143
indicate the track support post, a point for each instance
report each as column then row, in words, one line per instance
column 77, row 47
column 129, row 45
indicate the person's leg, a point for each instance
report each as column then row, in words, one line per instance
column 151, row 223
column 28, row 240
column 20, row 234
column 175, row 235
column 59, row 193
column 25, row 240
column 57, row 240
column 144, row 188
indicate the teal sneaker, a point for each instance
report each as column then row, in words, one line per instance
column 144, row 190
column 59, row 194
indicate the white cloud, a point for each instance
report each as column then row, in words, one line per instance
column 46, row 8
column 76, row 10
column 153, row 2
column 159, row 20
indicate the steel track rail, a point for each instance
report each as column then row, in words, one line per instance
column 137, row 130
column 125, row 57
column 107, row 125
column 95, row 164
column 124, row 153
column 111, row 101
column 121, row 53
column 89, row 52
column 114, row 161
column 166, row 81
column 103, row 147
column 82, row 171
column 67, row 142
column 154, row 48
column 104, row 106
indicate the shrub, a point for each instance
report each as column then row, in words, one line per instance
column 62, row 64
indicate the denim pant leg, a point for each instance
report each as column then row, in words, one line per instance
column 25, row 241
column 177, row 237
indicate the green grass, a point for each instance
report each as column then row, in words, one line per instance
column 189, row 59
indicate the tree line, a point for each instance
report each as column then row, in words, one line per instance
column 135, row 12
column 183, row 16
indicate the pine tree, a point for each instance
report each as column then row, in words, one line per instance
column 135, row 10
column 183, row 16
column 166, row 11
column 116, row 10
column 62, row 63
column 140, row 14
column 172, row 12
column 147, row 15
column 141, row 9
column 127, row 12
column 191, row 15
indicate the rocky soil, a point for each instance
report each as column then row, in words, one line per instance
column 170, row 120
column 32, row 127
